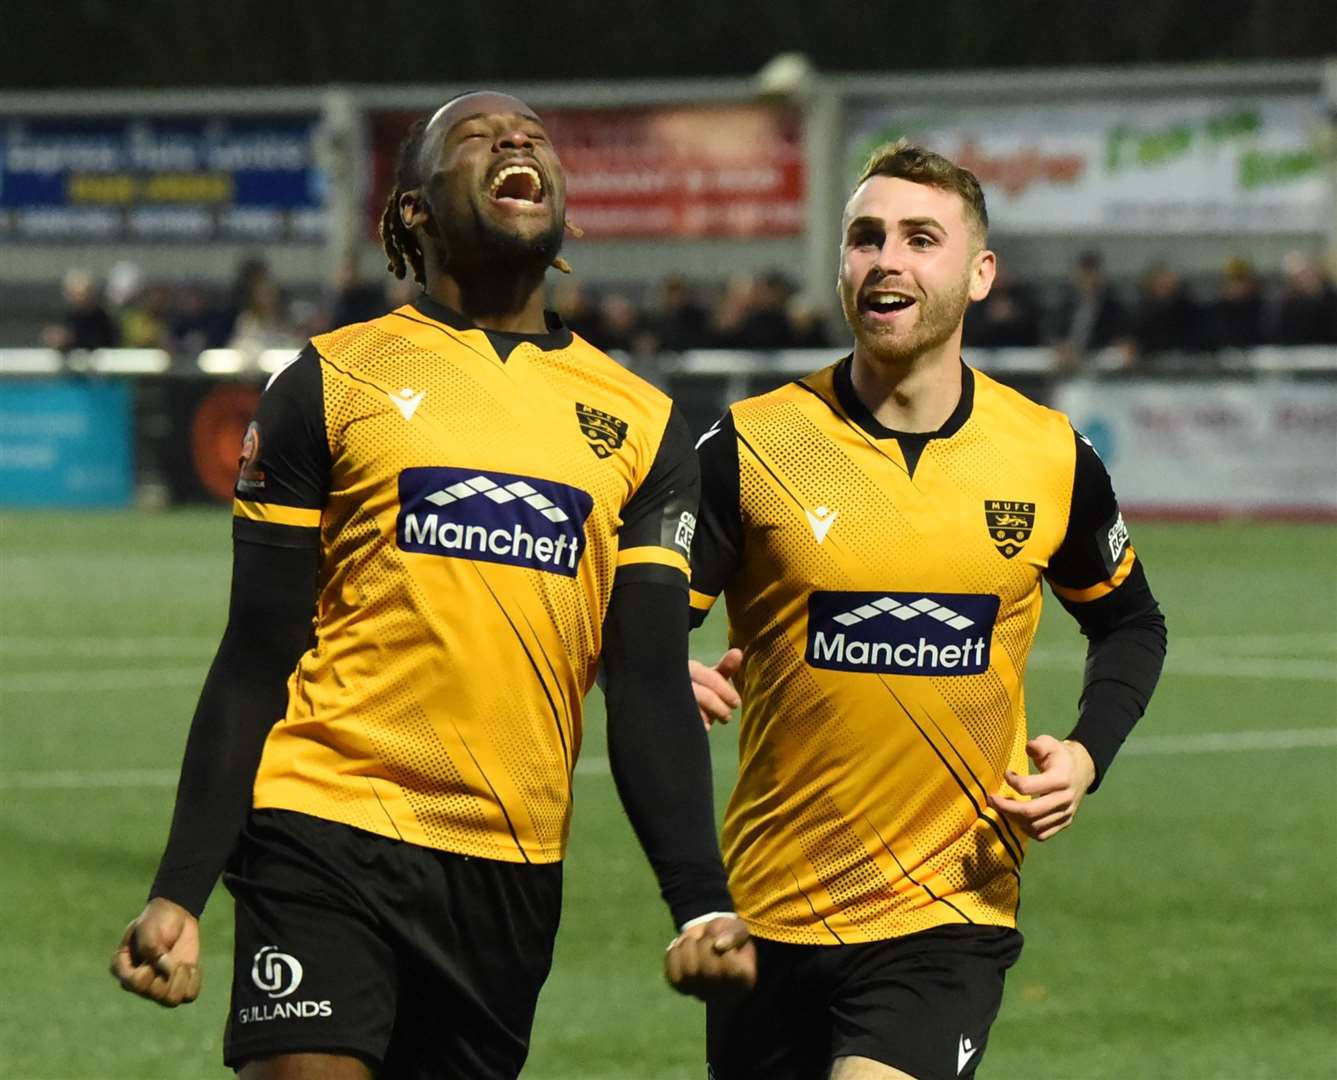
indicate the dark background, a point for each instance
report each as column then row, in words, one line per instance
column 156, row 43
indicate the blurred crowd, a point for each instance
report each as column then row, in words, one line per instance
column 1087, row 313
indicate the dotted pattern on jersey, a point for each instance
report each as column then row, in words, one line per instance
column 982, row 696
column 394, row 720
column 511, row 729
column 959, row 856
column 408, row 640
column 567, row 372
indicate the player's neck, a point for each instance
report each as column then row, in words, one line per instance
column 918, row 393
column 507, row 301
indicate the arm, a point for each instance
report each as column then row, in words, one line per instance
column 269, row 624
column 661, row 765
column 282, row 483
column 1100, row 581
column 658, row 752
column 716, row 554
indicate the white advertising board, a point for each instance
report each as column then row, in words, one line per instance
column 1162, row 165
column 1204, row 448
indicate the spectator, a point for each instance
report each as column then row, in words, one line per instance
column 86, row 323
column 146, row 318
column 766, row 324
column 193, row 324
column 262, row 323
column 731, row 312
column 249, row 271
column 1006, row 318
column 1090, row 315
column 355, row 300
column 807, row 328
column 1306, row 312
column 1235, row 318
column 1167, row 318
column 572, row 302
column 680, row 323
column 620, row 325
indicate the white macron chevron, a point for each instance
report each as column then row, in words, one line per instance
column 516, row 489
column 885, row 605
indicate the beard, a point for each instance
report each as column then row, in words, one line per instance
column 470, row 244
column 939, row 315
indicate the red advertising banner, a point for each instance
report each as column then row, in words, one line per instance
column 643, row 173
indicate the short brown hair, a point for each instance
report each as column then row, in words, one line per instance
column 903, row 160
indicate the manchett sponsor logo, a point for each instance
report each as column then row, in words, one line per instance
column 493, row 517
column 901, row 633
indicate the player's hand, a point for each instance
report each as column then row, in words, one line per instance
column 159, row 955
column 716, row 697
column 1056, row 791
column 714, row 961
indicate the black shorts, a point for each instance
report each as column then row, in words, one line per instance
column 420, row 962
column 922, row 1003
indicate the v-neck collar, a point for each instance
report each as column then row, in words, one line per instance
column 557, row 335
column 912, row 443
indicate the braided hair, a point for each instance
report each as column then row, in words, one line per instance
column 402, row 249
column 401, row 246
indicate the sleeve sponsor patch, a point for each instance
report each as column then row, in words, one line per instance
column 1116, row 539
column 250, row 476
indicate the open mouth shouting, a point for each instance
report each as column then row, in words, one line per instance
column 517, row 186
column 885, row 304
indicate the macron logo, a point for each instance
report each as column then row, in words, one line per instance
column 965, row 1050
column 406, row 401
column 820, row 521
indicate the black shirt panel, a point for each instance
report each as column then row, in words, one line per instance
column 662, row 512
column 718, row 549
column 285, row 459
column 1096, row 540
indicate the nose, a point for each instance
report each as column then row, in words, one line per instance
column 513, row 140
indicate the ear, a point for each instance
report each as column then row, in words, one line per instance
column 412, row 209
column 983, row 267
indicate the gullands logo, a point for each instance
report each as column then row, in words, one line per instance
column 899, row 633
column 278, row 974
column 493, row 517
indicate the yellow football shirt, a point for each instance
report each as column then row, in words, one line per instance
column 885, row 591
column 473, row 495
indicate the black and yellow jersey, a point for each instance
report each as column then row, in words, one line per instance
column 885, row 590
column 473, row 495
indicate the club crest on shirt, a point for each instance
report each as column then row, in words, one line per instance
column 604, row 431
column 250, row 477
column 1010, row 524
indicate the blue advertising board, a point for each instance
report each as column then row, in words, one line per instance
column 161, row 178
column 65, row 443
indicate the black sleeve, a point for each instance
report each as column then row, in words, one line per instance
column 282, row 484
column 655, row 539
column 1101, row 582
column 284, row 473
column 718, row 549
column 245, row 693
column 658, row 749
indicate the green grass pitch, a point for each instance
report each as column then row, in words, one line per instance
column 1185, row 928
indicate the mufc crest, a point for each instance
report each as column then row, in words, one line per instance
column 1010, row 524
column 604, row 431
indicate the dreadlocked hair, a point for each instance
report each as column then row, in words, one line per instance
column 401, row 246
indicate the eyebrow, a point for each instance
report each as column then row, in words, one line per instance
column 867, row 220
column 484, row 115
